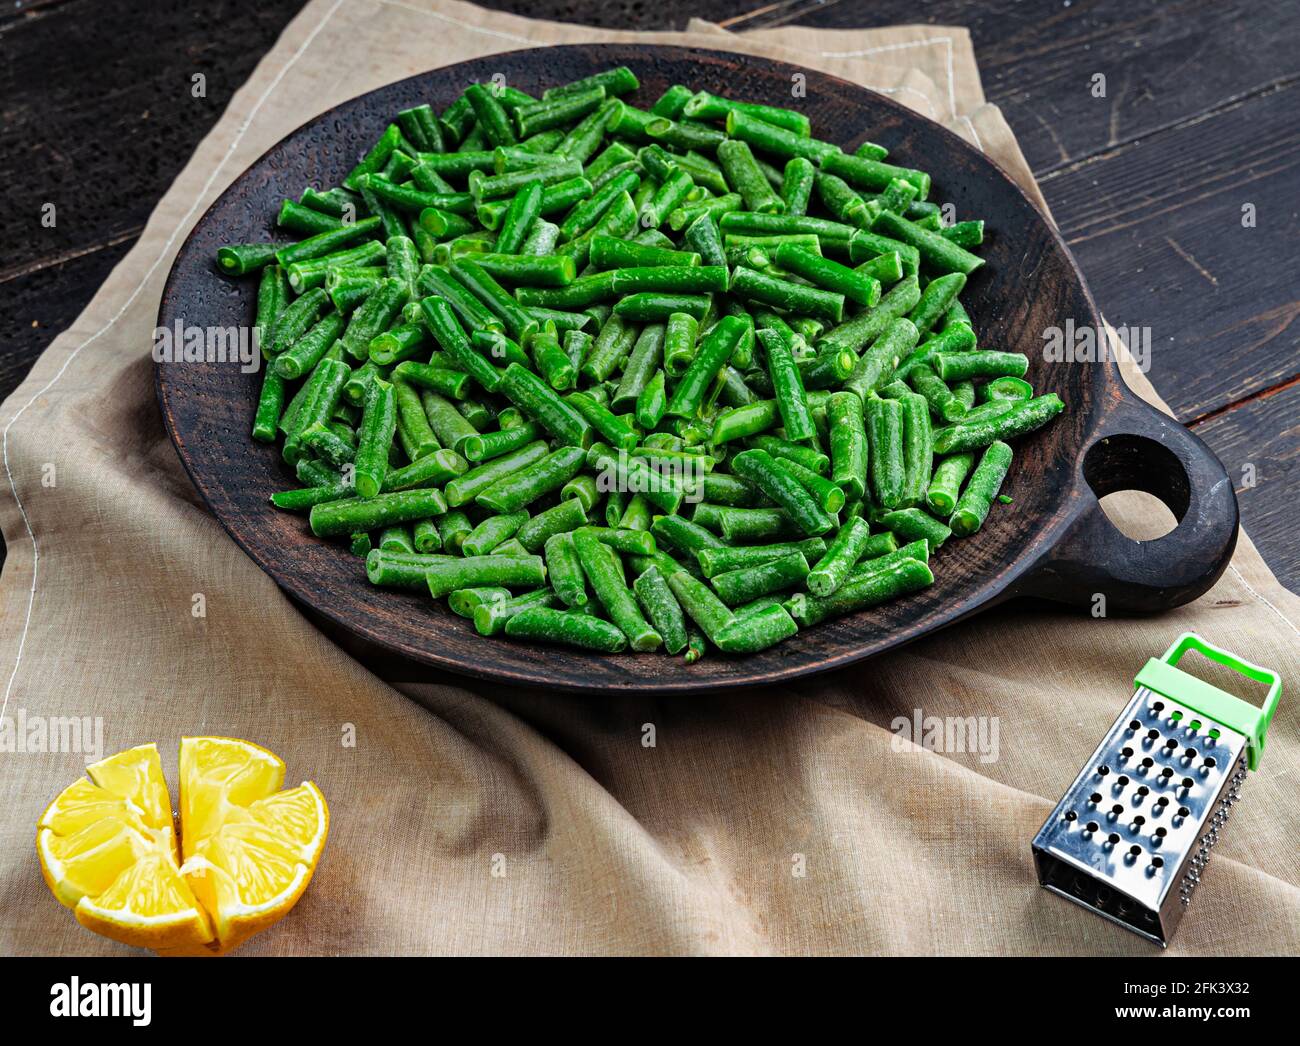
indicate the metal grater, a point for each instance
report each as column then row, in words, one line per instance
column 1131, row 837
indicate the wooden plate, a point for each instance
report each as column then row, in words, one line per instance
column 1054, row 542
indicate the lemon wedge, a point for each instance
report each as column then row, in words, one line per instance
column 248, row 849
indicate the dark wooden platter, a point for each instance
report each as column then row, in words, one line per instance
column 1055, row 542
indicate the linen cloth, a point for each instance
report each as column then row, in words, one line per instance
column 788, row 820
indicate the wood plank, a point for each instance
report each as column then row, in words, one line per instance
column 99, row 114
column 41, row 305
column 1163, row 61
column 624, row 14
column 1157, row 228
column 1264, row 433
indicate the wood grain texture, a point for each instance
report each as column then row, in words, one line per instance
column 1259, row 443
column 1056, row 543
column 1167, row 243
column 1164, row 60
column 100, row 111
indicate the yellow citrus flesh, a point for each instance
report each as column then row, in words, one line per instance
column 149, row 905
column 107, row 848
column 136, row 776
column 220, row 776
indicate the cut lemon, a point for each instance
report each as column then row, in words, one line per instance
column 108, row 850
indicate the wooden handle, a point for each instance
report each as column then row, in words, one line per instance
column 1136, row 447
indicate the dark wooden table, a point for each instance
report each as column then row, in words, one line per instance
column 1150, row 184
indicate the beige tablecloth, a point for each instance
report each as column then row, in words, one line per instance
column 775, row 821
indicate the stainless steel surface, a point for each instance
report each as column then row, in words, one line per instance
column 1131, row 837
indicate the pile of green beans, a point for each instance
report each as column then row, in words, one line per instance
column 624, row 378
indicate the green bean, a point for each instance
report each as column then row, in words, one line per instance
column 829, row 274
column 610, row 427
column 1022, row 417
column 912, row 524
column 712, row 352
column 872, row 174
column 600, row 565
column 378, row 424
column 701, row 604
column 341, row 518
column 413, row 430
column 465, row 487
column 661, row 607
column 848, row 443
column 743, row 176
column 583, row 490
column 374, row 316
column 272, row 299
column 425, row 536
column 829, row 496
column 936, row 393
column 571, row 628
column 480, row 447
column 431, row 470
column 623, row 539
column 885, row 431
column 964, row 234
column 310, row 349
column 558, row 110
column 658, row 306
column 809, row 457
column 726, row 489
column 449, row 334
column 797, row 298
column 746, row 583
column 445, row 574
column 581, row 142
column 464, row 601
column 453, row 384
column 973, row 506
column 957, row 338
column 624, row 473
column 797, row 184
column 491, row 115
column 979, row 364
column 871, row 324
column 398, row 344
column 936, row 299
column 759, row 468
column 539, row 401
column 831, row 571
column 787, row 385
column 1006, row 388
column 518, row 324
column 568, row 514
column 491, row 532
column 321, row 396
column 945, row 484
column 940, row 254
column 891, row 581
column 519, row 489
column 270, row 404
column 453, row 528
column 758, row 630
column 565, row 570
column 918, row 449
column 294, row 321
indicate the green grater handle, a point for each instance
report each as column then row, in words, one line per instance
column 1162, row 676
